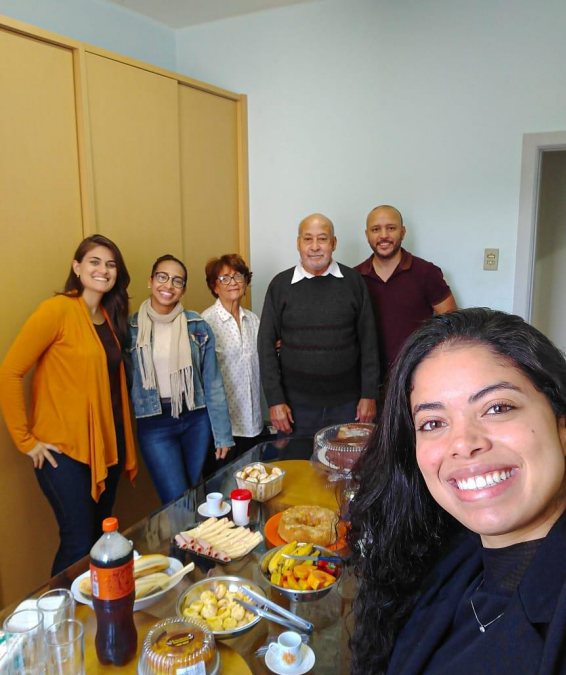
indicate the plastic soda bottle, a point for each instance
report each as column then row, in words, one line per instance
column 113, row 595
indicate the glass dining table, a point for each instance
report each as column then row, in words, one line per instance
column 303, row 484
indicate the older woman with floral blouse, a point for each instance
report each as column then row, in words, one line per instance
column 235, row 330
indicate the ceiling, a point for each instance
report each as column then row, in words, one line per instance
column 181, row 13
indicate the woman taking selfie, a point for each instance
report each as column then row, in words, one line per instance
column 78, row 433
column 235, row 331
column 466, row 478
column 177, row 392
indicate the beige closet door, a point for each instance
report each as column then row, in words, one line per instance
column 135, row 153
column 209, row 185
column 40, row 226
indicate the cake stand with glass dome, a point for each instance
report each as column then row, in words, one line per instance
column 338, row 447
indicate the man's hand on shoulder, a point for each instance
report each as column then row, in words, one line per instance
column 366, row 410
column 281, row 417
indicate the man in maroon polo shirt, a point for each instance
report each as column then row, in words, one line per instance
column 404, row 290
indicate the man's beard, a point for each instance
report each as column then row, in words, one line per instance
column 387, row 256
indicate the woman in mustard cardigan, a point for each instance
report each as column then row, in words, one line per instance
column 78, row 433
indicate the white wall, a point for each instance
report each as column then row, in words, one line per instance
column 99, row 23
column 418, row 103
column 550, row 262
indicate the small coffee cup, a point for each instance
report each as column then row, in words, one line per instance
column 287, row 650
column 214, row 503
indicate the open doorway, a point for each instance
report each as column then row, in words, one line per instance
column 548, row 296
column 540, row 270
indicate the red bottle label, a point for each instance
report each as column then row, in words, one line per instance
column 112, row 583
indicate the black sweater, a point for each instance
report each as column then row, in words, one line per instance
column 328, row 343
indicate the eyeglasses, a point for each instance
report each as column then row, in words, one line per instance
column 225, row 279
column 163, row 278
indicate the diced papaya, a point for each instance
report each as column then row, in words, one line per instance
column 316, row 579
column 292, row 582
column 301, row 571
column 276, row 578
column 304, row 585
column 285, row 583
column 328, row 578
column 328, row 583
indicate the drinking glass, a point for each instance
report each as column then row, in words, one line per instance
column 24, row 641
column 56, row 605
column 65, row 649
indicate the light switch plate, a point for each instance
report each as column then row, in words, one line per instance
column 491, row 259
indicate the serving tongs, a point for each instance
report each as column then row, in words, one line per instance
column 282, row 616
column 315, row 558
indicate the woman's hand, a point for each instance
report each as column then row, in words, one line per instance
column 222, row 452
column 41, row 452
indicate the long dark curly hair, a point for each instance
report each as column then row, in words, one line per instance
column 398, row 532
column 116, row 301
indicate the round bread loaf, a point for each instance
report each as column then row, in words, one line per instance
column 308, row 524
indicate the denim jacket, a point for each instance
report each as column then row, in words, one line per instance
column 207, row 379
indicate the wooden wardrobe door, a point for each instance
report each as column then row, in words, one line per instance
column 209, row 185
column 135, row 154
column 41, row 226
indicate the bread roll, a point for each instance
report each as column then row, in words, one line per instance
column 149, row 564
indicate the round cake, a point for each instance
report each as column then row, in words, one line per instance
column 337, row 448
column 308, row 524
column 174, row 644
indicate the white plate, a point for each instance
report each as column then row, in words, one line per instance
column 307, row 662
column 174, row 566
column 203, row 511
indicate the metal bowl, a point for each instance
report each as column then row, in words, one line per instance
column 298, row 596
column 232, row 583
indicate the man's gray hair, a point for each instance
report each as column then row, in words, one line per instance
column 320, row 215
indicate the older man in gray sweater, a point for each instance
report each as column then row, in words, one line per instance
column 327, row 371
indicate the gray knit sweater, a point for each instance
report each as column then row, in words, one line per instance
column 328, row 342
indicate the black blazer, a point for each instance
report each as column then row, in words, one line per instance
column 531, row 636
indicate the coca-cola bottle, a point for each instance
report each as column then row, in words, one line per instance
column 113, row 595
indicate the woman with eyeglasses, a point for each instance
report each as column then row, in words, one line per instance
column 458, row 528
column 78, row 432
column 235, row 330
column 177, row 390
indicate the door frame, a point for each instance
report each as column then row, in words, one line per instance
column 533, row 147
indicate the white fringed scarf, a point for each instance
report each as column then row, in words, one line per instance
column 180, row 359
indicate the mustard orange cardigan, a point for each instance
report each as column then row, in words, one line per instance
column 71, row 405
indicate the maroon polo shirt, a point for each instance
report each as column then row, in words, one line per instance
column 403, row 302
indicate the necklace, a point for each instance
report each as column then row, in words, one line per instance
column 481, row 625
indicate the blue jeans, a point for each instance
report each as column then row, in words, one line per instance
column 174, row 449
column 79, row 517
column 309, row 419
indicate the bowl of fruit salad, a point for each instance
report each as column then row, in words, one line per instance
column 297, row 578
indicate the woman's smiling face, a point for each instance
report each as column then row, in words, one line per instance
column 489, row 446
column 165, row 294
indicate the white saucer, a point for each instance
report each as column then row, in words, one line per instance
column 307, row 662
column 203, row 511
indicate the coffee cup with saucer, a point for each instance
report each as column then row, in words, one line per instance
column 289, row 656
column 214, row 506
